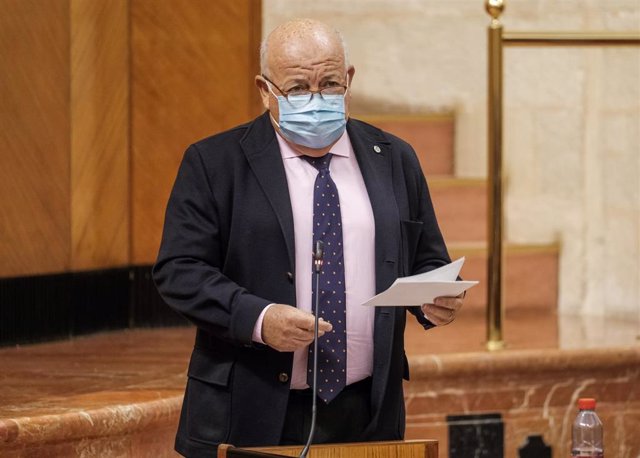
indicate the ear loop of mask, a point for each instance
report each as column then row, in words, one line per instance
column 270, row 114
column 346, row 91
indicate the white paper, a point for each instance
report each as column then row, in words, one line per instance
column 447, row 272
column 424, row 288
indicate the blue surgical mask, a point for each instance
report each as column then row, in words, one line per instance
column 314, row 124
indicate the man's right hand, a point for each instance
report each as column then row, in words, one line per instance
column 287, row 328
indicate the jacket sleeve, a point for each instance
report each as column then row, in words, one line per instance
column 188, row 271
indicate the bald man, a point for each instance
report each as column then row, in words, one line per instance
column 236, row 259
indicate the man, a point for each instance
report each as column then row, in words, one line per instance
column 236, row 260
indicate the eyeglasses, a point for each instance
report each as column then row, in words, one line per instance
column 300, row 97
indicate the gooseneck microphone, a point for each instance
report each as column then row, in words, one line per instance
column 318, row 256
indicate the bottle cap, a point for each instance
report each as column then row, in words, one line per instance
column 586, row 404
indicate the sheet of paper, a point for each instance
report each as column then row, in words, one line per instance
column 447, row 272
column 423, row 288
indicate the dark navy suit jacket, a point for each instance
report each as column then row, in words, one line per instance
column 228, row 250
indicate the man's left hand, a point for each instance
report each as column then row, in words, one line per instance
column 443, row 310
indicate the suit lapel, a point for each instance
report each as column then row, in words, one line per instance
column 373, row 152
column 261, row 149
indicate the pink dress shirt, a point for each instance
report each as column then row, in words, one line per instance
column 359, row 253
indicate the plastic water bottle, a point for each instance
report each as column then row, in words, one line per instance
column 587, row 431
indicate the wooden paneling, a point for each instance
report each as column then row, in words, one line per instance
column 398, row 449
column 99, row 133
column 192, row 69
column 34, row 136
column 98, row 100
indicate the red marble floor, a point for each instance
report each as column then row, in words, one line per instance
column 94, row 371
column 111, row 394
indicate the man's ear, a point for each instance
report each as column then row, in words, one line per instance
column 350, row 72
column 261, row 84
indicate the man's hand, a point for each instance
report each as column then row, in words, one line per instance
column 443, row 310
column 286, row 328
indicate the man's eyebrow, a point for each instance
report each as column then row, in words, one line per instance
column 297, row 81
column 332, row 76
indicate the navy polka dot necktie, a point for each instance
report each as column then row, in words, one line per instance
column 327, row 226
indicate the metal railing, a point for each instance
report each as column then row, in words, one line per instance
column 497, row 39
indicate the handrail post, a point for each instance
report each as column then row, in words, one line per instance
column 497, row 39
column 495, row 194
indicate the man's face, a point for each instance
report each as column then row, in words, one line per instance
column 307, row 63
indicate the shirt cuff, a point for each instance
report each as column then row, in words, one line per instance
column 430, row 323
column 257, row 329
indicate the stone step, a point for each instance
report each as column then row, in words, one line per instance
column 530, row 275
column 461, row 208
column 431, row 135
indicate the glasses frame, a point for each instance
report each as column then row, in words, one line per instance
column 310, row 92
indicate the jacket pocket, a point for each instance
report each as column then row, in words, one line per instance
column 209, row 368
column 410, row 232
column 207, row 402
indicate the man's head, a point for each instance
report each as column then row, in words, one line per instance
column 303, row 54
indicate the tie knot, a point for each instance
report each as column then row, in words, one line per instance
column 320, row 163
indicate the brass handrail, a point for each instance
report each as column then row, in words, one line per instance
column 571, row 38
column 497, row 39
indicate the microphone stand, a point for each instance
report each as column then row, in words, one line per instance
column 318, row 256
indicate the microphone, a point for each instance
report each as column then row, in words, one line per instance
column 318, row 256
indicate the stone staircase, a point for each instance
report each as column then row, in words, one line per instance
column 530, row 271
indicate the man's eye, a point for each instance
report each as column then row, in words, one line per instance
column 297, row 90
column 329, row 84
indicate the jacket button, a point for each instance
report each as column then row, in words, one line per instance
column 290, row 277
column 283, row 377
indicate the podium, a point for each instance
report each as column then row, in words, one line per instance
column 393, row 449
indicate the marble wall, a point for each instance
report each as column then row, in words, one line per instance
column 535, row 391
column 572, row 120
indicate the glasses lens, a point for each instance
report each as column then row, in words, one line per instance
column 334, row 90
column 300, row 99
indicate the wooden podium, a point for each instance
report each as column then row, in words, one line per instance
column 395, row 449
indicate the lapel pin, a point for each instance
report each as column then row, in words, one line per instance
column 377, row 149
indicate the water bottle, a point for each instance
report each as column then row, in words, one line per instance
column 587, row 431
